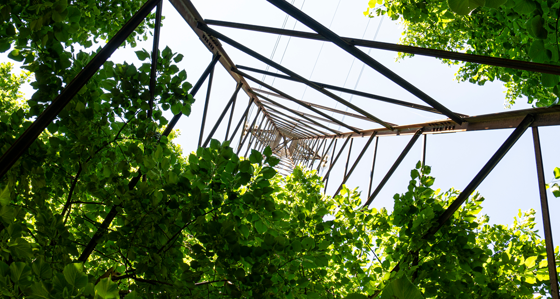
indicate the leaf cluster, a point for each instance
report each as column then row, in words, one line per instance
column 514, row 29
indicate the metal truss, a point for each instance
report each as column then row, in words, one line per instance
column 304, row 137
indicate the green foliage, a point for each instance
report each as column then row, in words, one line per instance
column 210, row 223
column 555, row 188
column 401, row 288
column 513, row 29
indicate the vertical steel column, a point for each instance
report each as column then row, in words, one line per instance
column 114, row 211
column 318, row 152
column 206, row 103
column 155, row 55
column 347, row 176
column 373, row 164
column 253, row 137
column 325, row 151
column 230, row 117
column 348, row 158
column 546, row 216
column 362, row 56
column 249, row 128
column 394, row 167
column 312, row 150
column 20, row 146
column 424, row 144
column 219, row 121
column 266, row 136
column 483, row 173
column 337, row 156
column 194, row 91
column 241, row 120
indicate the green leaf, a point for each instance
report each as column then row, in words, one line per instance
column 38, row 290
column 537, row 51
column 549, row 80
column 167, row 53
column 74, row 276
column 255, row 157
column 536, row 29
column 132, row 295
column 525, row 7
column 4, row 46
column 261, row 227
column 176, row 108
column 20, row 273
column 401, row 288
column 74, row 14
column 495, row 3
column 267, row 151
column 5, row 198
column 178, row 58
column 142, row 55
column 464, row 7
column 557, row 173
column 15, row 55
column 186, row 109
column 530, row 261
column 106, row 289
column 356, row 296
column 214, row 144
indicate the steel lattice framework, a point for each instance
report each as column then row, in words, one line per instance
column 305, row 139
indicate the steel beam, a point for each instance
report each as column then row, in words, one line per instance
column 219, row 121
column 296, row 113
column 114, row 211
column 298, row 120
column 363, row 57
column 333, row 141
column 547, row 116
column 350, row 91
column 336, row 159
column 241, row 120
column 155, row 55
column 393, row 168
column 496, row 158
column 546, row 217
column 279, row 67
column 487, row 60
column 252, row 125
column 347, row 176
column 193, row 91
column 230, row 117
column 373, row 165
column 20, row 146
column 206, row 103
column 294, row 100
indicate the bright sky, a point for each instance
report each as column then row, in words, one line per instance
column 455, row 158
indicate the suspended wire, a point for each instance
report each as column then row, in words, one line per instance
column 288, row 44
column 271, row 57
column 363, row 65
column 277, row 42
column 320, row 50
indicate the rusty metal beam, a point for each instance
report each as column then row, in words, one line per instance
column 495, row 61
column 546, row 217
column 547, row 116
column 363, row 57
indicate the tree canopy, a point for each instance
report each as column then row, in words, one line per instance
column 206, row 224
column 514, row 29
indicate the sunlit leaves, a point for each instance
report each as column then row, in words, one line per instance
column 517, row 29
column 106, row 289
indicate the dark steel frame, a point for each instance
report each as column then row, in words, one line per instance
column 298, row 140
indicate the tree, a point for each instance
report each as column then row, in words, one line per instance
column 513, row 29
column 206, row 224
